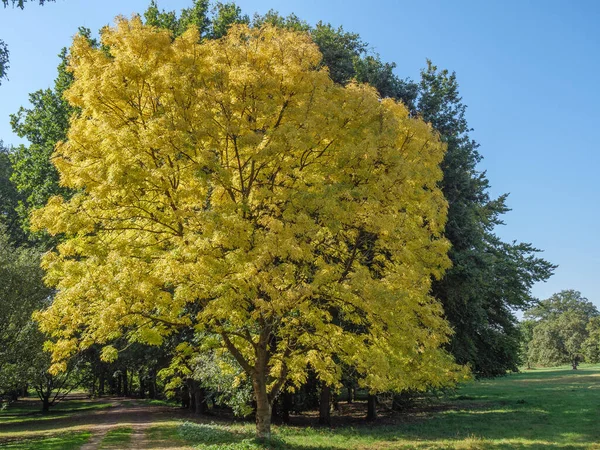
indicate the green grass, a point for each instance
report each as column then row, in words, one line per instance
column 31, row 411
column 117, row 438
column 541, row 409
column 67, row 441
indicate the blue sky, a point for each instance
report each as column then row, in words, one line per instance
column 528, row 72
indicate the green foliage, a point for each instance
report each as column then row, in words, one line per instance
column 564, row 331
column 9, row 200
column 21, row 3
column 43, row 124
column 22, row 292
column 560, row 303
column 559, row 340
column 591, row 346
column 489, row 278
column 223, row 16
column 196, row 16
column 4, row 60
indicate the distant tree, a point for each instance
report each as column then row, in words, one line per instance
column 561, row 329
column 526, row 328
column 559, row 340
column 564, row 301
column 591, row 346
column 223, row 16
column 22, row 291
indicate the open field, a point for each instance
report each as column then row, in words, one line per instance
column 540, row 409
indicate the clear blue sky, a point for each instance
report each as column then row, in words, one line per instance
column 528, row 72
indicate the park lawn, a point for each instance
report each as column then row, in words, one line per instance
column 539, row 409
column 62, row 441
column 117, row 439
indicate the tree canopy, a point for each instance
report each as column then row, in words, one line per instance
column 231, row 185
column 564, row 330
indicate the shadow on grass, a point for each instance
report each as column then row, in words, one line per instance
column 66, row 441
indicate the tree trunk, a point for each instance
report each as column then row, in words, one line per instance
column 574, row 365
column 350, row 393
column 325, row 405
column 101, row 385
column 142, row 392
column 152, row 383
column 125, row 384
column 286, row 406
column 192, row 402
column 45, row 404
column 263, row 407
column 200, row 400
column 372, row 407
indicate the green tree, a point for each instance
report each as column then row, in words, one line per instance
column 4, row 60
column 559, row 340
column 489, row 279
column 564, row 301
column 591, row 346
column 196, row 16
column 22, row 291
column 526, row 328
column 223, row 16
column 561, row 329
column 9, row 200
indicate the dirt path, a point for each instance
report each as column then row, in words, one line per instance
column 124, row 413
column 128, row 414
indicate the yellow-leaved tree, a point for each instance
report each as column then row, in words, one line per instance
column 231, row 186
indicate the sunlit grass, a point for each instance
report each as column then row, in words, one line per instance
column 67, row 441
column 539, row 409
column 117, row 439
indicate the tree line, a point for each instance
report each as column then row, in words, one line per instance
column 378, row 269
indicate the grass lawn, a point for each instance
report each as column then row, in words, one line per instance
column 64, row 441
column 539, row 409
column 117, row 438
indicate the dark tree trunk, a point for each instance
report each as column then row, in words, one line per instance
column 119, row 385
column 275, row 411
column 192, row 402
column 142, row 392
column 325, row 405
column 350, row 397
column 286, row 405
column 200, row 400
column 45, row 404
column 101, row 385
column 125, row 384
column 185, row 397
column 371, row 407
column 152, row 383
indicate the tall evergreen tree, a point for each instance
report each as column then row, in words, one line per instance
column 490, row 279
